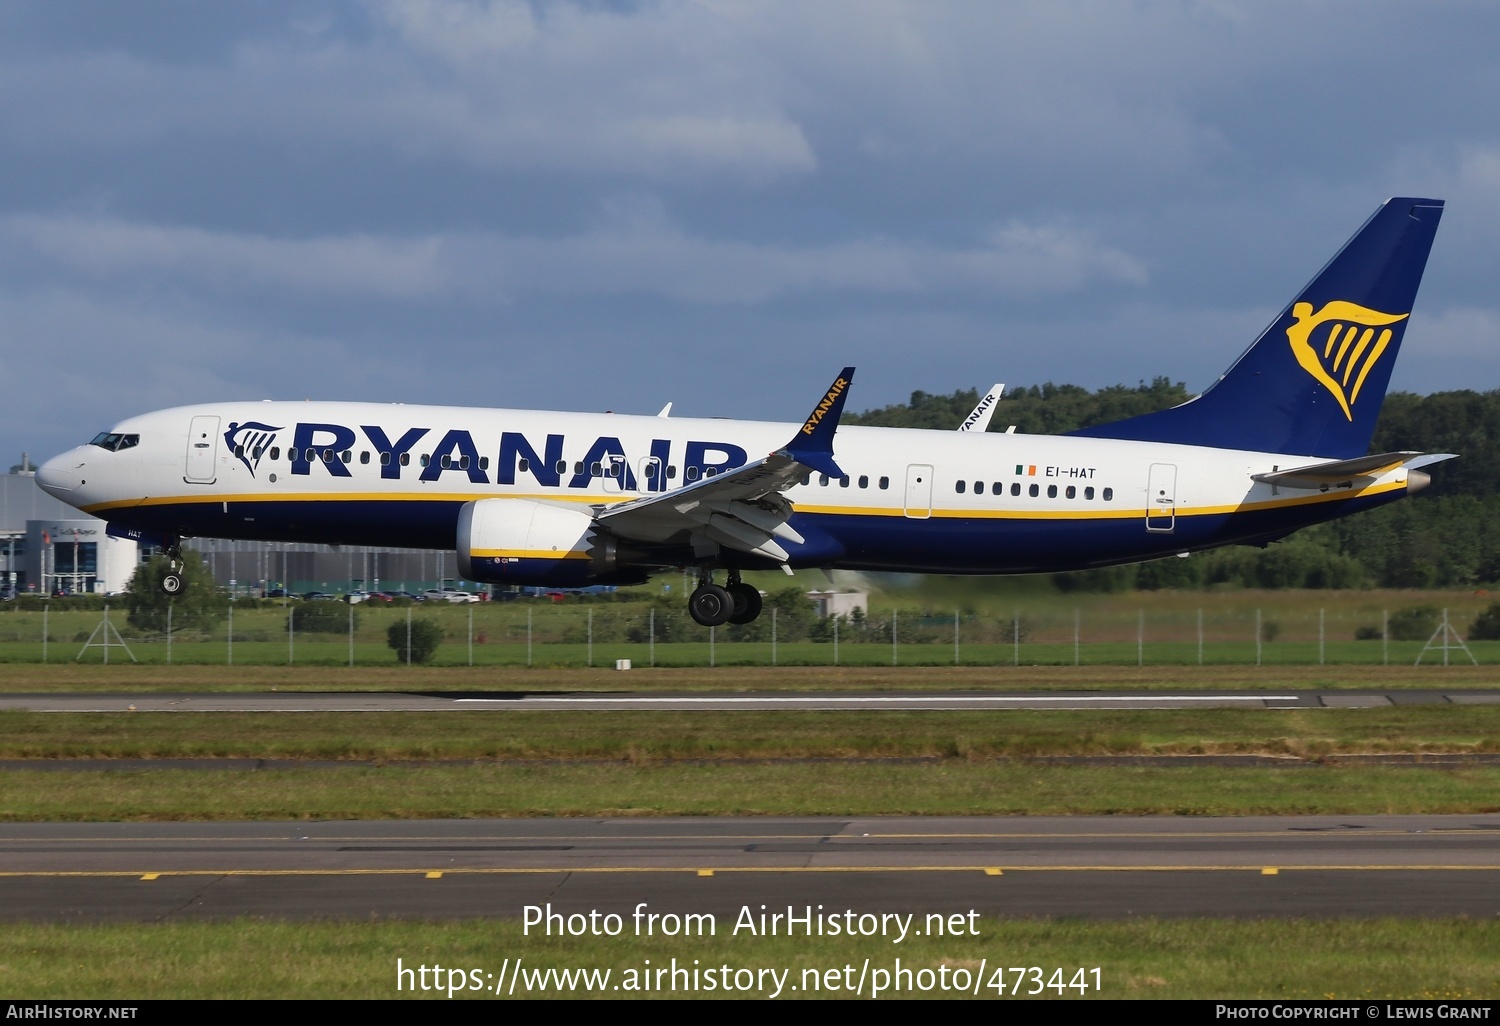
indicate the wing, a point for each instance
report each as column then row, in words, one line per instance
column 743, row 509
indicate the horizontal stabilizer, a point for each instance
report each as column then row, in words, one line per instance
column 1320, row 475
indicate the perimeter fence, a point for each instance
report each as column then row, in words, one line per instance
column 544, row 634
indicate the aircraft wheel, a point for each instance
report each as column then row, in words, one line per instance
column 710, row 605
column 747, row 602
column 171, row 584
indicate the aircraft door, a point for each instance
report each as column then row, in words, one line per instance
column 202, row 451
column 616, row 473
column 1161, row 497
column 652, row 476
column 919, row 491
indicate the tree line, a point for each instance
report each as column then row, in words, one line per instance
column 1448, row 536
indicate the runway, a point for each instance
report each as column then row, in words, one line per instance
column 1098, row 867
column 595, row 701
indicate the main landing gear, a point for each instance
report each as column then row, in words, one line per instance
column 172, row 582
column 736, row 602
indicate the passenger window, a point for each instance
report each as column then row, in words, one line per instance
column 562, row 467
column 1088, row 493
column 997, row 488
column 885, row 483
column 463, row 463
column 844, row 481
column 1109, row 494
column 347, row 455
column 595, row 470
column 823, row 480
column 710, row 471
column 364, row 458
column 275, row 452
column 291, row 454
column 484, row 463
column 1034, row 491
column 239, row 452
column 256, row 452
column 1052, row 491
column 327, row 455
column 445, row 463
column 671, row 473
column 692, row 473
column 1072, row 492
column 578, row 467
column 523, row 464
column 406, row 459
column 426, row 460
column 864, row 480
column 807, row 479
column 961, row 487
column 385, row 459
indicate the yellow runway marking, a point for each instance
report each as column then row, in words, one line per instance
column 435, row 875
column 561, row 870
column 1269, row 871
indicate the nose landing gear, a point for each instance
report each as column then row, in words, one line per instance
column 735, row 602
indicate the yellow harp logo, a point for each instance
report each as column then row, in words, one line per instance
column 1339, row 344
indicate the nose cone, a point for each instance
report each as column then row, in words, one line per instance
column 61, row 475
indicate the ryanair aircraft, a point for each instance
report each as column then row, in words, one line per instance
column 566, row 499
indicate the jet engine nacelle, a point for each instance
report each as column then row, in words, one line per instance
column 519, row 541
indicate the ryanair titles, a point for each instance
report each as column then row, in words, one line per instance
column 551, row 461
column 834, row 391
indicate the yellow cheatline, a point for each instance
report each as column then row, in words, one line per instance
column 993, row 871
column 1269, row 871
column 802, row 507
column 434, row 874
column 705, row 872
column 150, row 876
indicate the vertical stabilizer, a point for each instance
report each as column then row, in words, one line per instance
column 1313, row 383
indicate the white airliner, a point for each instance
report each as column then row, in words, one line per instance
column 1280, row 441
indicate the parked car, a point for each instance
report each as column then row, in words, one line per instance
column 449, row 595
column 354, row 598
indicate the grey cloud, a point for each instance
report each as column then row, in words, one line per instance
column 642, row 256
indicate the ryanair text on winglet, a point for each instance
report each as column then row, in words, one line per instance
column 824, row 406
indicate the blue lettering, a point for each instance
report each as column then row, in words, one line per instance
column 458, row 446
column 382, row 443
column 325, row 451
column 698, row 453
column 605, row 452
column 661, row 452
column 514, row 447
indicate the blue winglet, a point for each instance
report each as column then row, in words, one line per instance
column 812, row 445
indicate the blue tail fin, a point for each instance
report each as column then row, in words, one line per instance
column 1312, row 384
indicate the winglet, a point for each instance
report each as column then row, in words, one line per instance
column 812, row 445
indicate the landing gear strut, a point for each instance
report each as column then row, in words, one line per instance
column 172, row 582
column 735, row 602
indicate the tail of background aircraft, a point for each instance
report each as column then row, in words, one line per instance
column 1313, row 383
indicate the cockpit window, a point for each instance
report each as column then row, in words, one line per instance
column 114, row 441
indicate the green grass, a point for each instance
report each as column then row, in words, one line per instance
column 126, row 678
column 1358, row 960
column 643, row 737
column 947, row 787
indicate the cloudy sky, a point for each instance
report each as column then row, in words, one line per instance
column 602, row 205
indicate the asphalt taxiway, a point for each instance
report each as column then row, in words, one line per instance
column 1102, row 867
